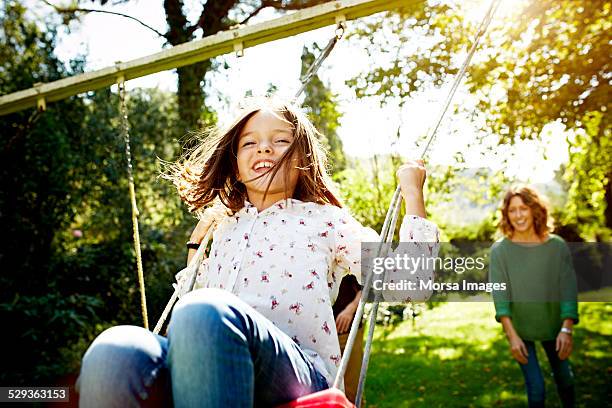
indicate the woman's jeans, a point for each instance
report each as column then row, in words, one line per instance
column 562, row 372
column 220, row 352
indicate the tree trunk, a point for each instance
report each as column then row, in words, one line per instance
column 191, row 94
column 191, row 78
column 609, row 202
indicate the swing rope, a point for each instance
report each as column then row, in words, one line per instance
column 125, row 131
column 314, row 67
column 389, row 225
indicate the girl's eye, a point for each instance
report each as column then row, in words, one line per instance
column 247, row 144
column 283, row 141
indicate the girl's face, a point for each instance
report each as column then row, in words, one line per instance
column 520, row 215
column 262, row 142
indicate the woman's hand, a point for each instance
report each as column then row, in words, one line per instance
column 518, row 349
column 564, row 345
column 412, row 175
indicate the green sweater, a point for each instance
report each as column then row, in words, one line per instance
column 540, row 286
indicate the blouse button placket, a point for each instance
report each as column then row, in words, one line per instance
column 238, row 259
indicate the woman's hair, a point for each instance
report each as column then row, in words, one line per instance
column 210, row 170
column 534, row 201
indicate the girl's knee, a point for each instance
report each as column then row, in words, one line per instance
column 121, row 347
column 125, row 340
column 120, row 364
column 201, row 310
column 202, row 305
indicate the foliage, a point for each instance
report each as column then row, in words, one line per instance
column 549, row 61
column 588, row 176
column 411, row 47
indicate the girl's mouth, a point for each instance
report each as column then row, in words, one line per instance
column 262, row 166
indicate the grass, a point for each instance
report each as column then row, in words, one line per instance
column 456, row 355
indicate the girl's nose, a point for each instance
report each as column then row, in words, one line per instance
column 264, row 148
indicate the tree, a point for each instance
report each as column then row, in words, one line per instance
column 215, row 16
column 323, row 111
column 549, row 62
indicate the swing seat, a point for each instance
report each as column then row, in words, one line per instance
column 329, row 398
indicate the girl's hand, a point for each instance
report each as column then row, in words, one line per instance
column 209, row 215
column 411, row 177
column 344, row 320
column 564, row 345
column 199, row 232
column 518, row 349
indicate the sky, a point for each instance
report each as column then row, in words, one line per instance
column 366, row 128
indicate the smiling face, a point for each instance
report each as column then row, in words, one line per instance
column 261, row 144
column 520, row 215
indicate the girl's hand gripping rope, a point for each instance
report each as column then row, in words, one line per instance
column 412, row 175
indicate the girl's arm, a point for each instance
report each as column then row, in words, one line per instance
column 345, row 317
column 350, row 234
column 198, row 234
column 210, row 215
column 411, row 177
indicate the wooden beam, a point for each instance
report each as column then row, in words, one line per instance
column 199, row 50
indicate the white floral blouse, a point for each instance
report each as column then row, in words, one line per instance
column 287, row 262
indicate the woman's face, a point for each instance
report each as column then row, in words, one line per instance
column 262, row 142
column 520, row 215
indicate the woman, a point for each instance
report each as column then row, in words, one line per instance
column 539, row 303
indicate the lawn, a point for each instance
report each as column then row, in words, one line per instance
column 456, row 355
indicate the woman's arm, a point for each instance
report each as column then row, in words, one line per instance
column 517, row 346
column 568, row 304
column 565, row 342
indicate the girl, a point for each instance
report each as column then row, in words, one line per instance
column 261, row 330
column 540, row 302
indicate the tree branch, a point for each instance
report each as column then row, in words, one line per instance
column 253, row 14
column 276, row 4
column 213, row 14
column 291, row 5
column 178, row 30
column 70, row 11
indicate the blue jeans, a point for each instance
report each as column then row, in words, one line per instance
column 534, row 381
column 220, row 352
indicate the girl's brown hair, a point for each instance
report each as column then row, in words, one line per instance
column 210, row 170
column 534, row 201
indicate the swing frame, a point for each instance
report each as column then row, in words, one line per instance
column 224, row 42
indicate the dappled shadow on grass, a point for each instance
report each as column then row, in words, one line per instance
column 470, row 365
column 429, row 371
